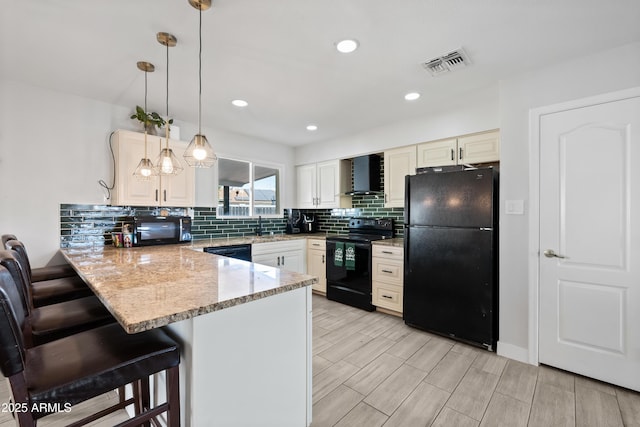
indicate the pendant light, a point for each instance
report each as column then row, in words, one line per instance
column 199, row 153
column 167, row 163
column 145, row 169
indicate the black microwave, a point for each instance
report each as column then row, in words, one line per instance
column 158, row 230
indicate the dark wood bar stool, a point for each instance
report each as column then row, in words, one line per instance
column 51, row 322
column 82, row 366
column 43, row 273
column 50, row 291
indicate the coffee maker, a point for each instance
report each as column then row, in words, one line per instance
column 294, row 221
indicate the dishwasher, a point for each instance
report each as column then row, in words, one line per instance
column 242, row 252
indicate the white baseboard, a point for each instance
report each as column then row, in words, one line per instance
column 511, row 351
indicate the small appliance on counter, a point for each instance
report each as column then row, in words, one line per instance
column 158, row 230
column 294, row 221
column 309, row 223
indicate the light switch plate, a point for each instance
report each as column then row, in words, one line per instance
column 514, row 207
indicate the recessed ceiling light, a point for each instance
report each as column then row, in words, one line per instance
column 412, row 96
column 239, row 102
column 347, row 46
column 312, row 127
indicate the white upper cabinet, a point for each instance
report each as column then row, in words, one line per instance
column 169, row 190
column 478, row 148
column 397, row 164
column 323, row 185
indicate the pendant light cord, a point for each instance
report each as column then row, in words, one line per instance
column 145, row 112
column 200, row 75
column 167, row 99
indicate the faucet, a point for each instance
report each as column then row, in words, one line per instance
column 259, row 228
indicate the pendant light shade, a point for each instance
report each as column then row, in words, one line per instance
column 145, row 170
column 167, row 162
column 199, row 153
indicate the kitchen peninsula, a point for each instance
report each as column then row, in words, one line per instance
column 244, row 328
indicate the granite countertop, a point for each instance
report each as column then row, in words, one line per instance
column 149, row 287
column 396, row 241
column 225, row 241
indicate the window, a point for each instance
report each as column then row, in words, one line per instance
column 247, row 189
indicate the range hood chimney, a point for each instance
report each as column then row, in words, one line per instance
column 366, row 175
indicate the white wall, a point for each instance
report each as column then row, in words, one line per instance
column 607, row 71
column 53, row 149
column 475, row 112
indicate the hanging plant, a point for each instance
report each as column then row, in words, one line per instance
column 149, row 120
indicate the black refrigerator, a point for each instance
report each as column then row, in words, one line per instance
column 451, row 254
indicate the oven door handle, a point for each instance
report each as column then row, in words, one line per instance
column 357, row 245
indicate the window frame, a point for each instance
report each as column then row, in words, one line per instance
column 252, row 165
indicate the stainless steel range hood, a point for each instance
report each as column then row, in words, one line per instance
column 366, row 175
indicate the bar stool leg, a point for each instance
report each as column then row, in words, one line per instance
column 173, row 396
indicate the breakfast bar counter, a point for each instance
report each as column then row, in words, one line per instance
column 244, row 328
column 153, row 286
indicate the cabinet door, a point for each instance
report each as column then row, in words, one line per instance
column 480, row 148
column 128, row 149
column 316, row 264
column 270, row 259
column 293, row 261
column 306, row 186
column 333, row 181
column 438, row 153
column 397, row 164
column 178, row 190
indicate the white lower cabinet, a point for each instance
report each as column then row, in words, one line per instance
column 287, row 254
column 387, row 270
column 317, row 263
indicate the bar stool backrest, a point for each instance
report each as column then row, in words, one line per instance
column 23, row 259
column 11, row 260
column 12, row 347
column 6, row 238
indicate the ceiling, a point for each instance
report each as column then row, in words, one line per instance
column 279, row 55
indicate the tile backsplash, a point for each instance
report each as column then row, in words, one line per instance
column 90, row 225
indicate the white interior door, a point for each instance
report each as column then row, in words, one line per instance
column 589, row 295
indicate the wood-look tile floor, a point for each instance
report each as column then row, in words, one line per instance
column 370, row 369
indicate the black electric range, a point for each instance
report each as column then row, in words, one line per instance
column 349, row 261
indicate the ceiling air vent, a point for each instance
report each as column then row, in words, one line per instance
column 448, row 62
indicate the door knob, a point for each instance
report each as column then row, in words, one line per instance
column 549, row 253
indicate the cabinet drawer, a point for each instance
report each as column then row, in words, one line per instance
column 387, row 252
column 277, row 247
column 387, row 296
column 387, row 270
column 317, row 244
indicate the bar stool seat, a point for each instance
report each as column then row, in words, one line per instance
column 58, row 290
column 53, row 321
column 84, row 365
column 48, row 291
